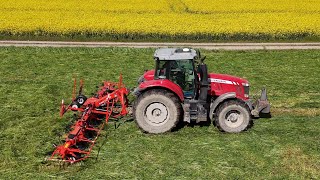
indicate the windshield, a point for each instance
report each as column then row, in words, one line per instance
column 180, row 72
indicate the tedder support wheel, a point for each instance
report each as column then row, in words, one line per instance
column 157, row 111
column 233, row 116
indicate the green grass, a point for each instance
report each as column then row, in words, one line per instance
column 34, row 80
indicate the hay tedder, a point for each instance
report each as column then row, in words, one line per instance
column 109, row 102
column 179, row 90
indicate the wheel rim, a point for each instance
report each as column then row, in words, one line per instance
column 80, row 101
column 74, row 106
column 156, row 114
column 234, row 119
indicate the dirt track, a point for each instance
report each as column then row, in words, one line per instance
column 209, row 46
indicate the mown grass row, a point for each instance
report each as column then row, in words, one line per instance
column 34, row 80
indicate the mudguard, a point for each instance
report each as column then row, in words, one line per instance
column 221, row 98
column 160, row 83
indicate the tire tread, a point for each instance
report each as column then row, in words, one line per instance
column 226, row 104
column 163, row 92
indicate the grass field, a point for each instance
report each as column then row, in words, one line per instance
column 161, row 20
column 34, row 80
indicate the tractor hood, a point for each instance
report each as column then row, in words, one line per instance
column 219, row 78
column 226, row 79
column 222, row 84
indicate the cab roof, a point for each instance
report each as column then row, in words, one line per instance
column 175, row 54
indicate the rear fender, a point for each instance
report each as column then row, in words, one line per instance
column 164, row 84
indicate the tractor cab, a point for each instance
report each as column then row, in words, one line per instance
column 180, row 88
column 177, row 65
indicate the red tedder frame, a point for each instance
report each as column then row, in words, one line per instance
column 109, row 102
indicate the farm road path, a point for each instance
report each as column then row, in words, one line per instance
column 208, row 46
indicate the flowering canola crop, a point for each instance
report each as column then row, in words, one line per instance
column 160, row 17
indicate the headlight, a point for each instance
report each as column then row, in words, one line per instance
column 246, row 89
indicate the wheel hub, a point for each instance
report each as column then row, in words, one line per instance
column 81, row 101
column 156, row 113
column 234, row 119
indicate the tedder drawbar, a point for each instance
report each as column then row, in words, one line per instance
column 179, row 89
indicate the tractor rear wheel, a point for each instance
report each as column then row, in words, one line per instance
column 157, row 111
column 233, row 116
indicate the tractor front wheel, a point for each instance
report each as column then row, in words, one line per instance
column 233, row 116
column 157, row 111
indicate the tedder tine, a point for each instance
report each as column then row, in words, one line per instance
column 81, row 87
column 74, row 89
column 120, row 81
column 62, row 108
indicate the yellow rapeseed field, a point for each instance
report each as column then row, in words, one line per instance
column 160, row 17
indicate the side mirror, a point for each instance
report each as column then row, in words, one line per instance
column 202, row 59
column 198, row 53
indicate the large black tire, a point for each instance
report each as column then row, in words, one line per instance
column 157, row 111
column 233, row 117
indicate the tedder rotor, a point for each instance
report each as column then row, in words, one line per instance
column 179, row 90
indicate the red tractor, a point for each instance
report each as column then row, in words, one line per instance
column 180, row 89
